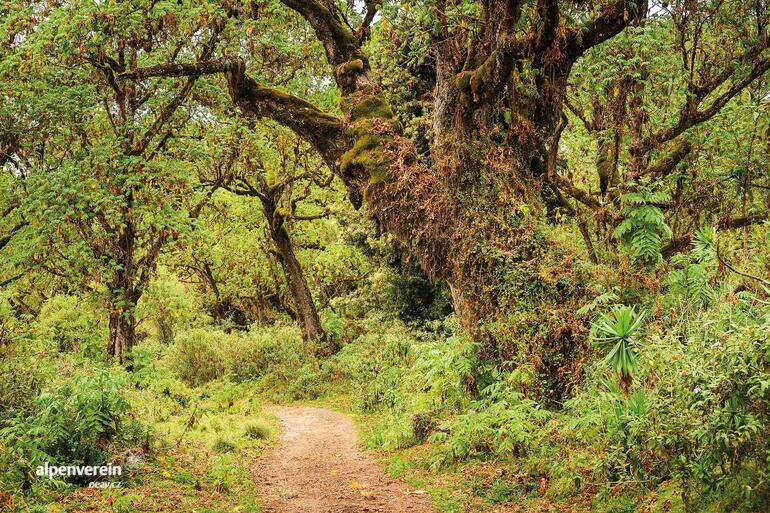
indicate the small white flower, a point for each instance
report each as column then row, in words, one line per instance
column 697, row 389
column 716, row 344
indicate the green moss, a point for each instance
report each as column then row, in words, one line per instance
column 463, row 85
column 483, row 75
column 367, row 153
column 354, row 66
column 471, row 84
column 371, row 107
column 604, row 164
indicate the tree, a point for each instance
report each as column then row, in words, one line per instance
column 281, row 180
column 656, row 147
column 106, row 190
column 496, row 73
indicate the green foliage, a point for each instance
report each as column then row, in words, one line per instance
column 106, row 193
column 691, row 279
column 502, row 424
column 690, row 283
column 449, row 370
column 606, row 296
column 701, row 418
column 20, row 384
column 223, row 446
column 71, row 324
column 197, row 355
column 375, row 363
column 8, row 321
column 644, row 225
column 617, row 334
column 730, row 399
column 71, row 425
column 274, row 355
column 167, row 306
column 258, row 431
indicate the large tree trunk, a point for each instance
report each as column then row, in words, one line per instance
column 304, row 307
column 126, row 290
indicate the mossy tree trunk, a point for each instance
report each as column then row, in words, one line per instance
column 122, row 333
column 122, row 316
column 133, row 268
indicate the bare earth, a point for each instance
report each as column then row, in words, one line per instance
column 318, row 467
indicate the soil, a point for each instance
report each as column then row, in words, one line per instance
column 319, row 467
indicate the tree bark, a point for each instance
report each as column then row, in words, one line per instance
column 122, row 337
column 304, row 306
column 126, row 289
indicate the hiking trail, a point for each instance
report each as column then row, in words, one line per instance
column 318, row 467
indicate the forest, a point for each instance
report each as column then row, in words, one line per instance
column 336, row 256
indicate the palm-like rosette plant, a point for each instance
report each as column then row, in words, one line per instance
column 618, row 333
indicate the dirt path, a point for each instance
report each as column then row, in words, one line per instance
column 318, row 467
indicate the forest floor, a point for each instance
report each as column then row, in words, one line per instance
column 318, row 466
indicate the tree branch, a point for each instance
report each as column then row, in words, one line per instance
column 681, row 243
column 340, row 43
column 691, row 115
column 209, row 67
column 324, row 131
column 736, row 271
column 664, row 165
column 7, row 238
column 579, row 194
column 610, row 22
column 482, row 84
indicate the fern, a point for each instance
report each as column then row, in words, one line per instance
column 691, row 282
column 607, row 296
column 691, row 279
column 71, row 427
column 449, row 370
column 500, row 424
column 644, row 226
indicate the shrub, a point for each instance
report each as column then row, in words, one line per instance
column 384, row 390
column 376, row 363
column 198, row 355
column 7, row 319
column 450, row 371
column 19, row 386
column 71, row 324
column 278, row 351
column 308, row 382
column 700, row 420
column 501, row 424
column 223, row 446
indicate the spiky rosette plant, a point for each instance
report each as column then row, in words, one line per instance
column 617, row 332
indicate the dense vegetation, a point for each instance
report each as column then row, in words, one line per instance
column 525, row 242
